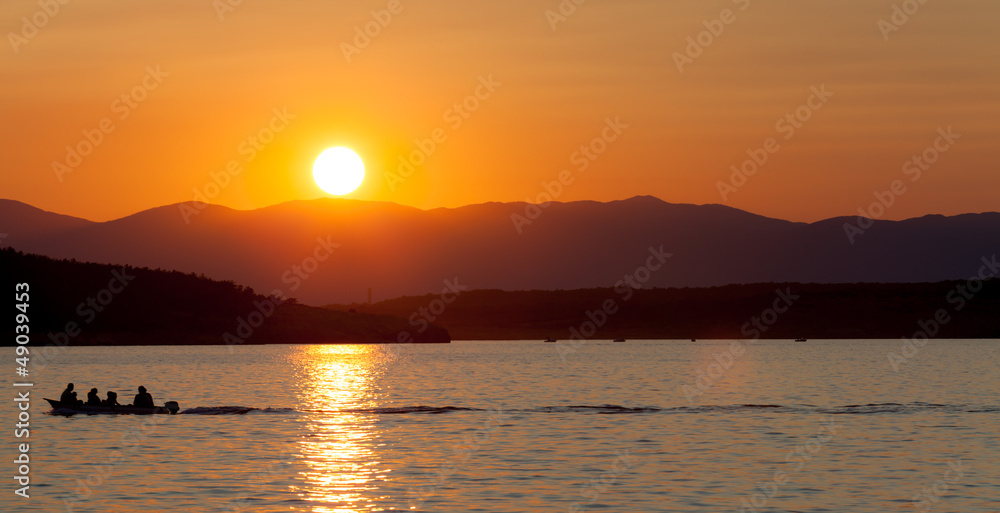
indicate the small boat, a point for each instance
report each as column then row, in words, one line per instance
column 801, row 340
column 551, row 340
column 618, row 340
column 169, row 407
column 694, row 340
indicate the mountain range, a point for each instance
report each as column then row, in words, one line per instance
column 333, row 250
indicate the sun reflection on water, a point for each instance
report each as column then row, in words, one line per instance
column 343, row 470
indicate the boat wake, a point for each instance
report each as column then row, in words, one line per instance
column 232, row 410
column 608, row 409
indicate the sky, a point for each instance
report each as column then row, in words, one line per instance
column 111, row 108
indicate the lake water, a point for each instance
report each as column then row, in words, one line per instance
column 821, row 426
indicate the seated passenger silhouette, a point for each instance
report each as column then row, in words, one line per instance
column 68, row 397
column 92, row 398
column 143, row 399
column 112, row 399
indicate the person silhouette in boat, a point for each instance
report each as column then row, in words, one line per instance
column 68, row 397
column 112, row 399
column 92, row 398
column 143, row 399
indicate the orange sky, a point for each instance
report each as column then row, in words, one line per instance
column 224, row 79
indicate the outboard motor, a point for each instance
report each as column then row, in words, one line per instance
column 172, row 406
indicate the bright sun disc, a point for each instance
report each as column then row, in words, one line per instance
column 338, row 171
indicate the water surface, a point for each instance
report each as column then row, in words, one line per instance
column 524, row 426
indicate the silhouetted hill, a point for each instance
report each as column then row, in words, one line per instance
column 400, row 250
column 77, row 303
column 39, row 222
column 823, row 311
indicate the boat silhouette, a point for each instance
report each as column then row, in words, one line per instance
column 168, row 408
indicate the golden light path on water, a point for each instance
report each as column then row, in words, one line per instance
column 343, row 470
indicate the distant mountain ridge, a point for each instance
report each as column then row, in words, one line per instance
column 399, row 250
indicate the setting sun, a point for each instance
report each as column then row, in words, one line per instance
column 338, row 171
